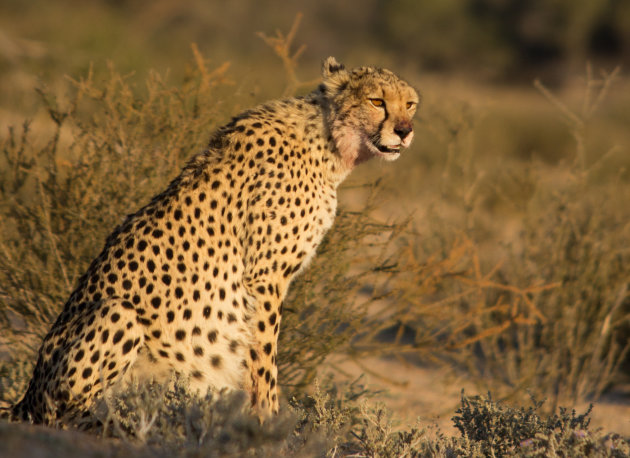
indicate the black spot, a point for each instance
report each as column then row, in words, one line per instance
column 267, row 348
column 206, row 311
column 212, row 336
column 253, row 355
column 105, row 336
column 118, row 336
column 79, row 356
column 179, row 292
column 272, row 319
column 155, row 302
column 198, row 351
column 216, row 361
column 95, row 357
column 142, row 245
column 180, row 334
column 156, row 333
column 216, row 184
column 86, row 372
column 127, row 346
column 196, row 374
column 115, row 317
column 170, row 316
column 187, row 314
column 144, row 321
column 179, row 357
column 261, row 326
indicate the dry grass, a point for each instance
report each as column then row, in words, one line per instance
column 546, row 312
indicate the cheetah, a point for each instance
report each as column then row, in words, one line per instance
column 193, row 282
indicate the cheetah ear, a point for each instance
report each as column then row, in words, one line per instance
column 335, row 75
column 331, row 66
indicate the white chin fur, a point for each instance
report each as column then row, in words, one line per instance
column 388, row 156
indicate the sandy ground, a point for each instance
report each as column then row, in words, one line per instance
column 432, row 395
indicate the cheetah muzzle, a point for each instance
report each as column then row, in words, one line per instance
column 193, row 282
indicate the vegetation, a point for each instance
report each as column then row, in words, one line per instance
column 153, row 421
column 513, row 270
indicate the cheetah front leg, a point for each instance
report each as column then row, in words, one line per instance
column 265, row 324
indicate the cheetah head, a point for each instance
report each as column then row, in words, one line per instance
column 370, row 111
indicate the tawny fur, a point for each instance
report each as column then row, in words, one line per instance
column 193, row 282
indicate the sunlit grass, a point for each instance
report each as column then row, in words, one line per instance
column 503, row 258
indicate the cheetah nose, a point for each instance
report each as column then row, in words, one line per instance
column 403, row 129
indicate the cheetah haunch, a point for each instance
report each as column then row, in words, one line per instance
column 193, row 282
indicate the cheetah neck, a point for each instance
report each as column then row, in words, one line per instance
column 338, row 153
column 346, row 146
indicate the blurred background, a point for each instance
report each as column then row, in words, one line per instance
column 519, row 172
column 497, row 41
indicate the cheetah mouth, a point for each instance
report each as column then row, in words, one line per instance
column 388, row 149
column 386, row 152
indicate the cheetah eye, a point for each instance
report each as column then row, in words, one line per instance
column 378, row 103
column 410, row 105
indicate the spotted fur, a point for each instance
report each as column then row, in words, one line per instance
column 193, row 282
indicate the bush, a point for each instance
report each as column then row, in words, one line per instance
column 551, row 318
column 114, row 145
